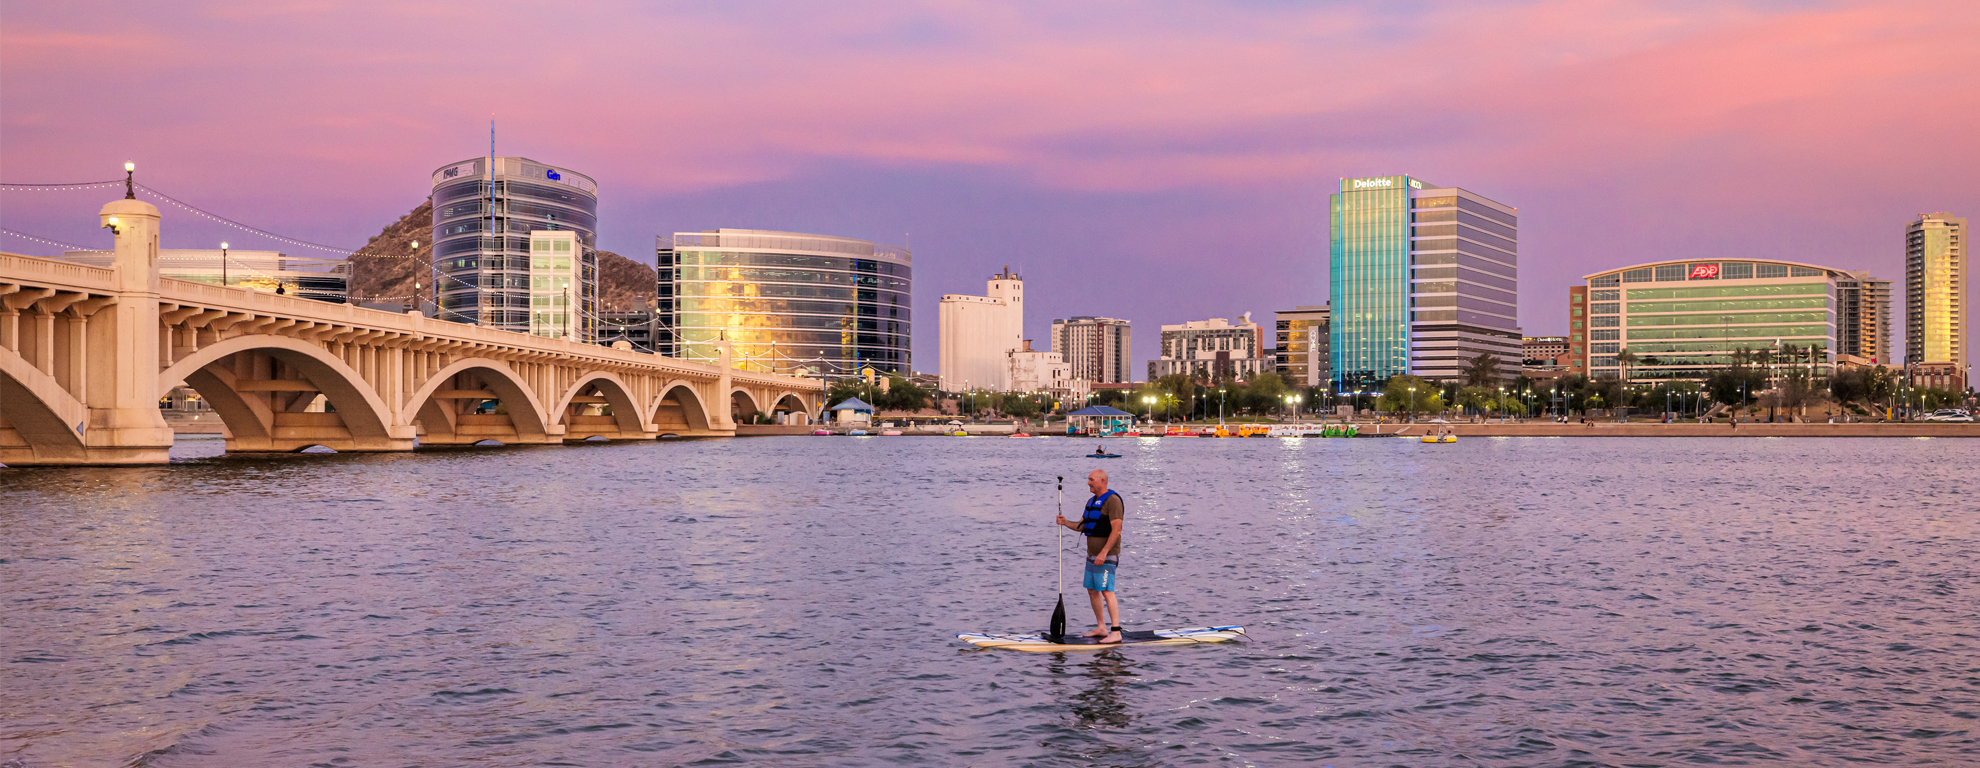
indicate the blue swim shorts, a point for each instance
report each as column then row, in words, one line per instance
column 1100, row 578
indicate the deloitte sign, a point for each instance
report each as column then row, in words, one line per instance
column 1378, row 182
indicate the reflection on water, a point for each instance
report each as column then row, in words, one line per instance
column 793, row 601
column 1100, row 702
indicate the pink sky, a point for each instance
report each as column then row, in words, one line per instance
column 1155, row 161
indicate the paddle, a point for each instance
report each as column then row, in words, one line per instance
column 1057, row 629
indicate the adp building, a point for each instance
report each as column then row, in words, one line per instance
column 1685, row 319
column 1424, row 279
column 786, row 302
column 515, row 247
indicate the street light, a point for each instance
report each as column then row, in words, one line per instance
column 223, row 263
column 1412, row 405
column 1150, row 400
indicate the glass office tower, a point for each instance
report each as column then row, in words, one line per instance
column 483, row 217
column 1424, row 279
column 787, row 302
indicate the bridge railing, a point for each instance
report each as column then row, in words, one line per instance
column 262, row 302
column 60, row 274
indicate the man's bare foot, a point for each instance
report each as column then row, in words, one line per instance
column 1100, row 632
column 1112, row 637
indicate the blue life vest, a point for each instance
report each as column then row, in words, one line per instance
column 1095, row 522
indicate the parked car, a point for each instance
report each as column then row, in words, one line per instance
column 1950, row 414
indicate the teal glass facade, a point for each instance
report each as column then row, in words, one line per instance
column 1368, row 264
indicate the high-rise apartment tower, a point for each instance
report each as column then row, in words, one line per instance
column 1863, row 317
column 1097, row 348
column 1935, row 319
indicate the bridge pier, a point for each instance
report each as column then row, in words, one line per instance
column 93, row 375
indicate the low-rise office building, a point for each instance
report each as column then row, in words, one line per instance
column 1544, row 358
column 634, row 327
column 1033, row 370
column 1946, row 376
column 1208, row 350
column 1685, row 319
column 1305, row 338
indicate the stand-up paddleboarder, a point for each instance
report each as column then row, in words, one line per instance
column 1101, row 523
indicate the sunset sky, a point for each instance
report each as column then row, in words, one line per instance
column 1155, row 161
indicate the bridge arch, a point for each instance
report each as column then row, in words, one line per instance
column 617, row 393
column 790, row 402
column 257, row 421
column 433, row 406
column 742, row 406
column 44, row 416
column 680, row 409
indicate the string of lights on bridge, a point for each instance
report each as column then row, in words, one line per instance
column 43, row 241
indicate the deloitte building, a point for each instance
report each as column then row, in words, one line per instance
column 786, row 302
column 1684, row 319
column 1424, row 279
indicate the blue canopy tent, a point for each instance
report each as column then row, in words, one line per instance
column 852, row 411
column 1098, row 421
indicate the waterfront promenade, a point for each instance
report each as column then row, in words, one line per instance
column 1654, row 429
column 1516, row 429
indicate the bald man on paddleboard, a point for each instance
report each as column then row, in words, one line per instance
column 1101, row 524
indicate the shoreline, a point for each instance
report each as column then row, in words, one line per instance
column 1529, row 429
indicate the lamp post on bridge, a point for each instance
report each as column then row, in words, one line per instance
column 223, row 264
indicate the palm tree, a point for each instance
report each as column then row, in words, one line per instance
column 1625, row 357
column 1482, row 370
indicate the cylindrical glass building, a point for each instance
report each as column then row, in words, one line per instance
column 482, row 245
column 787, row 302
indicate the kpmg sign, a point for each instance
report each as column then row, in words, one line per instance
column 468, row 170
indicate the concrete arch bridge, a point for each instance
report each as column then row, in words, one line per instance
column 87, row 352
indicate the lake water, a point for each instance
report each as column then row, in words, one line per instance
column 794, row 601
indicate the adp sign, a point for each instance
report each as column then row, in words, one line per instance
column 1704, row 272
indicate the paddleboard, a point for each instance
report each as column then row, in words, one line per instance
column 1103, row 455
column 1038, row 642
